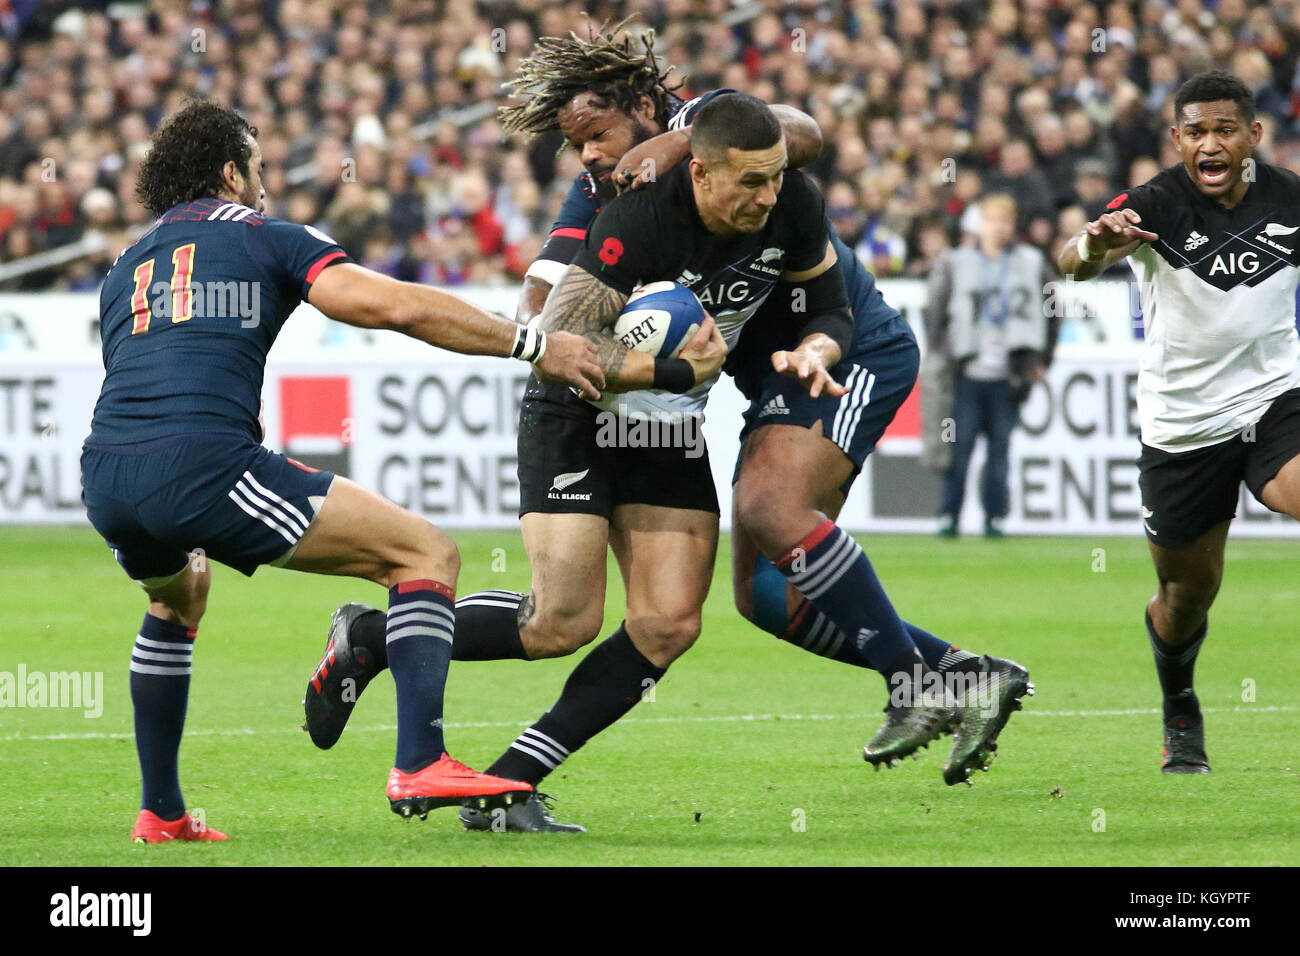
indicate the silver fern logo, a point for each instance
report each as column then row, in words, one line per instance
column 568, row 478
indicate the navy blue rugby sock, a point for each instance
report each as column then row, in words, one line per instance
column 160, row 689
column 421, row 619
column 829, row 569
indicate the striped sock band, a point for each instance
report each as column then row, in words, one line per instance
column 816, row 633
column 421, row 622
column 161, row 661
column 813, row 631
column 545, row 750
column 951, row 657
column 605, row 685
column 829, row 569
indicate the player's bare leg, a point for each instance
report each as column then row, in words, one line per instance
column 1176, row 626
column 359, row 533
column 1282, row 492
column 566, row 606
column 783, row 470
column 666, row 557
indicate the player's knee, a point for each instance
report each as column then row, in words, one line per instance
column 560, row 632
column 763, row 510
column 1189, row 598
column 423, row 552
column 667, row 636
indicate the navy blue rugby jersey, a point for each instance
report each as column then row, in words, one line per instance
column 188, row 314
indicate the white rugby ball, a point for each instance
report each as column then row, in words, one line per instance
column 659, row 318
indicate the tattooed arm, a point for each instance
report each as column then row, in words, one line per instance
column 585, row 306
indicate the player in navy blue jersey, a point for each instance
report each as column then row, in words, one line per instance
column 173, row 470
column 617, row 122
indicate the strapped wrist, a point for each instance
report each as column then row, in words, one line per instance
column 530, row 343
column 674, row 375
column 1085, row 249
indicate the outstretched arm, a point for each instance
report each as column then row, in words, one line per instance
column 827, row 332
column 359, row 296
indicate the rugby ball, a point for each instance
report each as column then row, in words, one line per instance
column 659, row 318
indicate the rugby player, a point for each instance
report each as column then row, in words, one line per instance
column 173, row 463
column 630, row 105
column 1213, row 243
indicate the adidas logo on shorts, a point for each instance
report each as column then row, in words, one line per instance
column 775, row 406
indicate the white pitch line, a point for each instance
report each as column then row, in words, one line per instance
column 717, row 719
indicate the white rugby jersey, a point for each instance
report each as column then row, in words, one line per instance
column 1218, row 292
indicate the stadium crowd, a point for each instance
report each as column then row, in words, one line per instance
column 377, row 119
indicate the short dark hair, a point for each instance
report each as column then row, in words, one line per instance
column 1214, row 85
column 188, row 151
column 734, row 121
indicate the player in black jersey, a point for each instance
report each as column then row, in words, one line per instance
column 607, row 98
column 1215, row 245
column 173, row 470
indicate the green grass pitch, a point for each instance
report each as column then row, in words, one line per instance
column 750, row 754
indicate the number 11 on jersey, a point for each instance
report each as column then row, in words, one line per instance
column 182, row 294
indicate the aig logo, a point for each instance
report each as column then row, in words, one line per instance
column 734, row 293
column 1234, row 263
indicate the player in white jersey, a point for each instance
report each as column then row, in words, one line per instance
column 1214, row 243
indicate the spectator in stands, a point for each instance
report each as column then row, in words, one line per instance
column 1017, row 176
column 406, row 91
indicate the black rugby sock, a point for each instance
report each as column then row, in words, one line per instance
column 605, row 686
column 1174, row 667
column 487, row 629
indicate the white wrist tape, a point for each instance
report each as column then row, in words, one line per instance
column 1086, row 252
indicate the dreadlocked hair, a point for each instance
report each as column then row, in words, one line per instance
column 611, row 68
